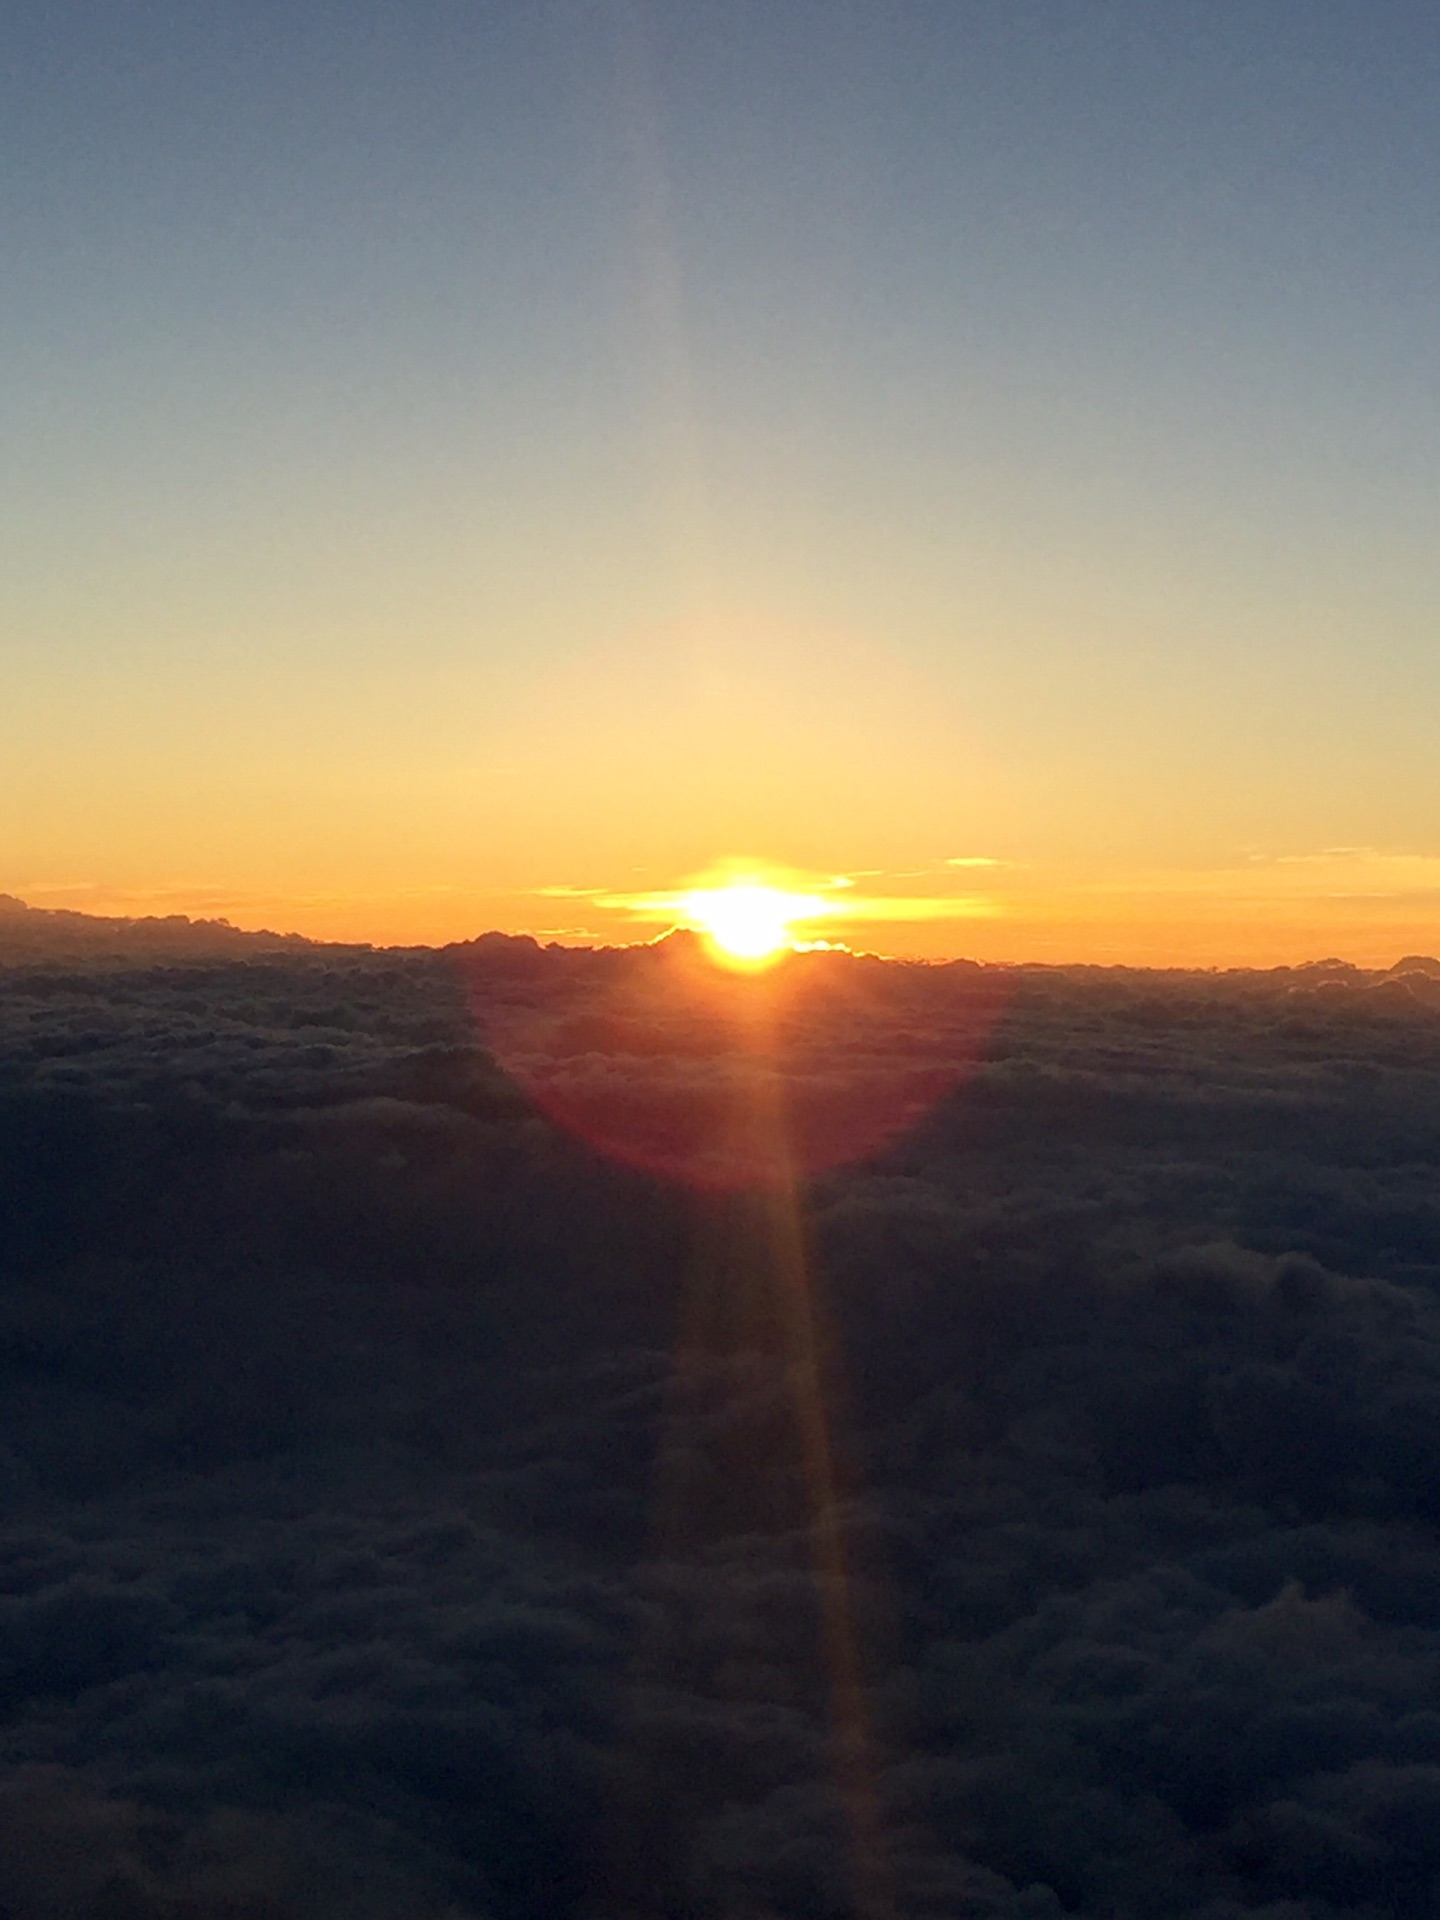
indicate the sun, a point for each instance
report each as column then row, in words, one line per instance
column 746, row 923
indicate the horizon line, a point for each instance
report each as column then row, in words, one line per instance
column 13, row 908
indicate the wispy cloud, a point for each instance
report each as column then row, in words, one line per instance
column 833, row 901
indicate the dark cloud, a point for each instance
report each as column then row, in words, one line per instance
column 31, row 935
column 663, row 1061
column 410, row 1509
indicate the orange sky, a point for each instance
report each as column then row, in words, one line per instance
column 638, row 764
column 461, row 488
column 1350, row 902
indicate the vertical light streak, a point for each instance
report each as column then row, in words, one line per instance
column 661, row 309
column 787, row 1271
column 751, row 1290
column 686, row 527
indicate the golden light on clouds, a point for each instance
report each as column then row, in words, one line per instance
column 1260, row 908
column 751, row 912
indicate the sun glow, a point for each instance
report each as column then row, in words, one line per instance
column 747, row 923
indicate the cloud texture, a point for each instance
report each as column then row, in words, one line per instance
column 406, row 1513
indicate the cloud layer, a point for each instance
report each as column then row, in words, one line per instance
column 407, row 1512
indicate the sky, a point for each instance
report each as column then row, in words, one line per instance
column 488, row 465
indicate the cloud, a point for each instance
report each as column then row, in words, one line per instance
column 407, row 1512
column 656, row 1058
column 813, row 902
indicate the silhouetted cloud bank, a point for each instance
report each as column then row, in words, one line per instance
column 406, row 1515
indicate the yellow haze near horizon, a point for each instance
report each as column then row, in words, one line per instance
column 428, row 812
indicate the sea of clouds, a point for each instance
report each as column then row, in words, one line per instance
column 406, row 1512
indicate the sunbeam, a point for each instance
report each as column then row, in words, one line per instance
column 751, row 1305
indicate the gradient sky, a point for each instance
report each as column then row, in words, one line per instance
column 466, row 465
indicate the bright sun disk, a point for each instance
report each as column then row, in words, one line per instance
column 747, row 924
